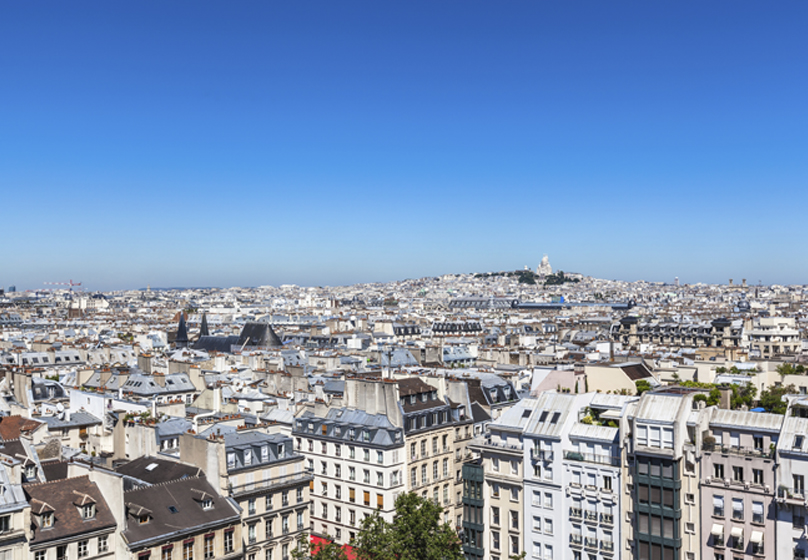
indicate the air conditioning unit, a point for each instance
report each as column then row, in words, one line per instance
column 767, row 489
column 726, row 482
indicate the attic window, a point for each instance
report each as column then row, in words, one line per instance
column 88, row 511
column 556, row 416
column 543, row 416
column 173, row 509
column 143, row 519
column 47, row 519
column 151, row 467
column 207, row 503
column 798, row 442
column 525, row 414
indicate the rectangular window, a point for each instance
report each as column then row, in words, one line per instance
column 718, row 506
column 757, row 476
column 209, row 554
column 83, row 548
column 188, row 550
column 737, row 474
column 514, row 519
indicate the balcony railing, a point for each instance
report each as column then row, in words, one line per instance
column 607, row 518
column 786, row 493
column 590, row 542
column 576, row 513
column 590, row 515
column 576, row 539
column 737, row 450
column 541, row 454
column 607, row 546
column 611, row 460
column 290, row 479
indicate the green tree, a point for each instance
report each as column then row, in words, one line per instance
column 416, row 533
column 327, row 550
column 772, row 399
column 786, row 369
column 642, row 386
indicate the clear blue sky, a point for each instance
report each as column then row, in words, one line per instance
column 322, row 143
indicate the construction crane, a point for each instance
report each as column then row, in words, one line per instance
column 68, row 283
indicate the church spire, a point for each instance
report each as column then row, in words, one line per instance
column 203, row 329
column 181, row 341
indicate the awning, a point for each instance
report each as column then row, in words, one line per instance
column 718, row 530
column 737, row 532
column 757, row 537
column 718, row 501
column 757, row 508
column 737, row 505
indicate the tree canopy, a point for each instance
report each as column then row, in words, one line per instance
column 416, row 533
column 772, row 399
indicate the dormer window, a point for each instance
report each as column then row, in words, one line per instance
column 30, row 472
column 247, row 457
column 207, row 503
column 281, row 452
column 47, row 520
column 143, row 519
column 264, row 453
column 88, row 511
column 412, row 399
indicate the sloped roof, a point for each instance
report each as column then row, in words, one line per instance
column 154, row 470
column 61, row 495
column 184, row 496
column 11, row 427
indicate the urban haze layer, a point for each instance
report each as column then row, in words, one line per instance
column 539, row 413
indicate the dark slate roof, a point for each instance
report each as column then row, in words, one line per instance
column 636, row 371
column 215, row 343
column 259, row 334
column 64, row 497
column 479, row 414
column 185, row 496
column 154, row 470
column 54, row 470
column 203, row 328
column 182, row 332
column 413, row 386
column 77, row 419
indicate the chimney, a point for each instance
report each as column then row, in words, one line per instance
column 730, row 281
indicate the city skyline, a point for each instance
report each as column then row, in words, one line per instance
column 320, row 144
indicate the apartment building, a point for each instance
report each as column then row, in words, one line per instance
column 494, row 520
column 358, row 463
column 266, row 476
column 792, row 473
column 738, row 517
column 663, row 485
column 766, row 337
column 357, row 455
column 429, row 429
column 593, row 478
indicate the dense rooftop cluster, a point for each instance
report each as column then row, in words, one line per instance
column 579, row 419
